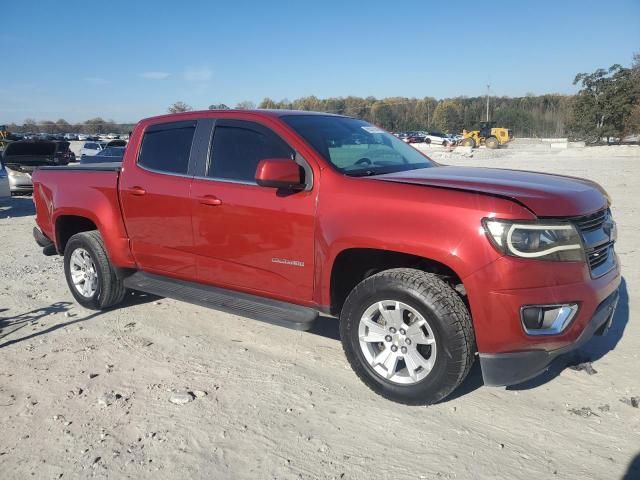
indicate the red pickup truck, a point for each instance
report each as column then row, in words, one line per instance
column 280, row 215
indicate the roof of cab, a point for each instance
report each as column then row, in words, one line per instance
column 212, row 113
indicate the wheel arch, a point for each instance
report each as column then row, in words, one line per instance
column 69, row 222
column 68, row 225
column 352, row 265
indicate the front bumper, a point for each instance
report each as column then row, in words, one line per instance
column 499, row 369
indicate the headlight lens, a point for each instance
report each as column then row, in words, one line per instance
column 539, row 240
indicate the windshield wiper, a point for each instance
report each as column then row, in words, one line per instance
column 361, row 173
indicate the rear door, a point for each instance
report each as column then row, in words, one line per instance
column 155, row 199
column 245, row 236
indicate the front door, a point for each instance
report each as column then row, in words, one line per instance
column 250, row 237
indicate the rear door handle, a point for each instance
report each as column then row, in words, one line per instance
column 137, row 191
column 210, row 200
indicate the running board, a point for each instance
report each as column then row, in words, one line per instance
column 230, row 301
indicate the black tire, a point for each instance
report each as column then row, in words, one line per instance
column 427, row 140
column 468, row 142
column 492, row 143
column 110, row 290
column 447, row 316
column 445, row 143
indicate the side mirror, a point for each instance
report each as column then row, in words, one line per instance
column 279, row 173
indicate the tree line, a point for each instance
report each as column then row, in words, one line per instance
column 606, row 106
column 91, row 126
column 541, row 115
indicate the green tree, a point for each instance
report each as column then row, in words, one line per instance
column 31, row 126
column 62, row 126
column 178, row 107
column 218, row 106
column 633, row 122
column 267, row 103
column 447, row 118
column 604, row 103
column 246, row 105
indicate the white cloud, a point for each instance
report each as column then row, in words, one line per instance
column 154, row 75
column 197, row 74
column 96, row 80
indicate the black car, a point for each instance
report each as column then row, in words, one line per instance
column 107, row 155
column 63, row 154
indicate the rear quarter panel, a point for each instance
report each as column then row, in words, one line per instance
column 92, row 195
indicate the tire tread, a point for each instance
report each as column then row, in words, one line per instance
column 447, row 305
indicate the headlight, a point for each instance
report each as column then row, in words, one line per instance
column 539, row 240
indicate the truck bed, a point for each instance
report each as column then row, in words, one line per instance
column 65, row 193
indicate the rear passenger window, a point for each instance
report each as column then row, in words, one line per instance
column 166, row 147
column 236, row 152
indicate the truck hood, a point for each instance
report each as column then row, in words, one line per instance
column 544, row 194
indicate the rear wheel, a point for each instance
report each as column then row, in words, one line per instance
column 492, row 143
column 427, row 140
column 408, row 336
column 468, row 142
column 89, row 273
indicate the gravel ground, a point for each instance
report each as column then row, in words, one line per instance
column 163, row 389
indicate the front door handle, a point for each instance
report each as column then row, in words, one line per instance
column 210, row 200
column 137, row 191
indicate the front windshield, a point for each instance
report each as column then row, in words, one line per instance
column 356, row 147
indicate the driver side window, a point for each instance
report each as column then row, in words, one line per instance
column 237, row 150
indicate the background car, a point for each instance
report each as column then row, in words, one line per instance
column 116, row 143
column 21, row 158
column 109, row 154
column 437, row 138
column 414, row 137
column 63, row 154
column 90, row 148
column 5, row 190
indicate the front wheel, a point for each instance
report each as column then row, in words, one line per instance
column 492, row 143
column 408, row 336
column 89, row 273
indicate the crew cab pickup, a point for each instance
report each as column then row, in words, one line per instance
column 282, row 215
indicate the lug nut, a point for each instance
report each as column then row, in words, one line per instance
column 387, row 338
column 394, row 348
column 402, row 332
column 392, row 330
column 408, row 341
column 403, row 349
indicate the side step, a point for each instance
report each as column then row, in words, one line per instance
column 257, row 308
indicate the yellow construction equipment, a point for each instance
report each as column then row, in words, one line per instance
column 488, row 135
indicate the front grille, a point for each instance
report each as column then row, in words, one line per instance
column 598, row 256
column 591, row 222
column 595, row 230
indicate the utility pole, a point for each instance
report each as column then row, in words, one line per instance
column 488, row 87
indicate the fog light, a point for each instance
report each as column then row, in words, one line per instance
column 547, row 319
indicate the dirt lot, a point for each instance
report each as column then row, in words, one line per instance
column 86, row 394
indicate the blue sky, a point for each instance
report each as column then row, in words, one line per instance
column 125, row 60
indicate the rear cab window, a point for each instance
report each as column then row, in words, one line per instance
column 166, row 147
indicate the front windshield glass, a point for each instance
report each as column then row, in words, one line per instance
column 356, row 147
